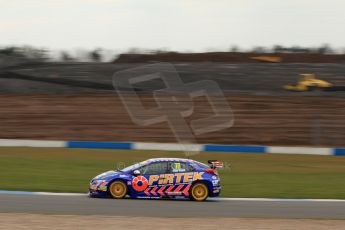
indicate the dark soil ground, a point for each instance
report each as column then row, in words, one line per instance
column 229, row 57
column 262, row 120
column 77, row 101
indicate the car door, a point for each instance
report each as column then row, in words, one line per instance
column 149, row 182
column 183, row 177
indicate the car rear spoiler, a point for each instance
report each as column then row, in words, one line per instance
column 215, row 164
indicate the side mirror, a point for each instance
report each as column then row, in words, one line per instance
column 136, row 172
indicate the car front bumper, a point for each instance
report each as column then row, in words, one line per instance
column 98, row 194
column 98, row 189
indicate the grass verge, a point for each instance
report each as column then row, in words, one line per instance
column 245, row 175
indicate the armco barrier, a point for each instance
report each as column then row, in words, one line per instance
column 31, row 143
column 172, row 147
column 98, row 145
column 234, row 148
column 339, row 152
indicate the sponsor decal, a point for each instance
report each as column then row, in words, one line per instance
column 139, row 183
column 100, row 185
column 172, row 190
column 103, row 186
column 215, row 182
column 176, row 178
column 165, row 184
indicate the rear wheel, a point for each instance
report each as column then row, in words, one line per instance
column 199, row 192
column 118, row 189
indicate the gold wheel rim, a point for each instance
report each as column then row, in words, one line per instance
column 199, row 192
column 118, row 189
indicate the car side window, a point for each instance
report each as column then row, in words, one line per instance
column 175, row 167
column 154, row 168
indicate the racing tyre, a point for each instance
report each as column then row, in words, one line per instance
column 198, row 192
column 118, row 189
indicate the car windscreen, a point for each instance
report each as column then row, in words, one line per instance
column 134, row 167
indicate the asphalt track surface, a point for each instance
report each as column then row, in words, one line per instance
column 83, row 205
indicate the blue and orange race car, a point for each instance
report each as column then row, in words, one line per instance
column 160, row 178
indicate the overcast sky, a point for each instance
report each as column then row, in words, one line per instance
column 182, row 25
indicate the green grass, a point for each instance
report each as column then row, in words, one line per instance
column 246, row 175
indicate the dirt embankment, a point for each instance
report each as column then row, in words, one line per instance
column 262, row 120
column 231, row 57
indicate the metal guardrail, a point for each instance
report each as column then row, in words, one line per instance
column 173, row 147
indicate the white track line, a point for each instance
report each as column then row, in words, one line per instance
column 6, row 192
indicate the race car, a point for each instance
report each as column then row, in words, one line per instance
column 160, row 178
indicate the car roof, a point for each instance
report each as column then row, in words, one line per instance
column 169, row 159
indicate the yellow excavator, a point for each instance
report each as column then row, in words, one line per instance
column 309, row 82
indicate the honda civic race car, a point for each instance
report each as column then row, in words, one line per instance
column 160, row 178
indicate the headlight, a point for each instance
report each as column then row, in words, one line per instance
column 98, row 181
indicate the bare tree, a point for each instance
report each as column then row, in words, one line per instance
column 96, row 55
column 325, row 49
column 65, row 56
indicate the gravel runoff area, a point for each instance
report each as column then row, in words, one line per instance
column 38, row 221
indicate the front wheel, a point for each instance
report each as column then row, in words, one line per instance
column 118, row 189
column 199, row 192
